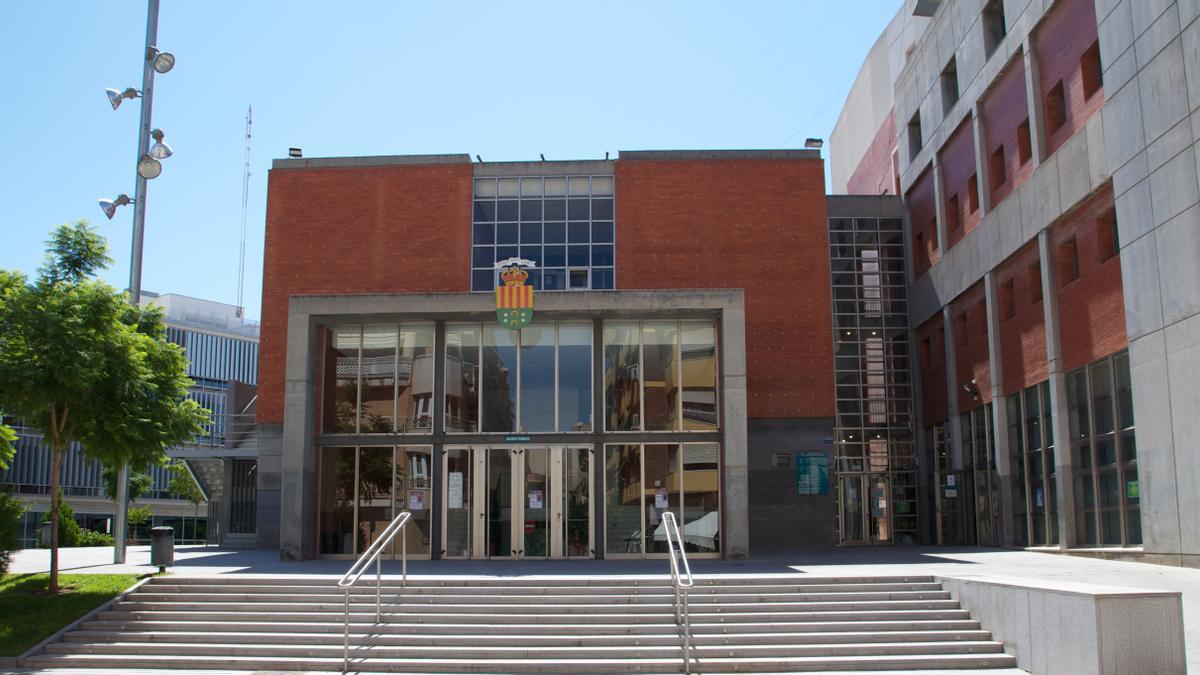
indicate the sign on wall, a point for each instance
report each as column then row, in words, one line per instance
column 812, row 473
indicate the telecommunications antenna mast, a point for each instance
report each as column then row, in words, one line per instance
column 245, row 203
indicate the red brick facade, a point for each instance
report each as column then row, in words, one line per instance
column 1068, row 56
column 1091, row 306
column 931, row 359
column 759, row 225
column 968, row 312
column 961, row 196
column 875, row 173
column 922, row 215
column 355, row 230
column 1022, row 320
column 1006, row 129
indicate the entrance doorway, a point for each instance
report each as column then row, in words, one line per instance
column 521, row 502
column 864, row 510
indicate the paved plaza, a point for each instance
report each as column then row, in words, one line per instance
column 198, row 561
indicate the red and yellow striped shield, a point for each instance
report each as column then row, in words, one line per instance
column 514, row 299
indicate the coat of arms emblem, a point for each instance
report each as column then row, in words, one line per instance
column 514, row 297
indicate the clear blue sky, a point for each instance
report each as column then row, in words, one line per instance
column 505, row 80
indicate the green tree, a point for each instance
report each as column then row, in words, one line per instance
column 139, row 483
column 11, row 510
column 68, row 529
column 80, row 363
column 139, row 515
column 183, row 485
column 7, row 438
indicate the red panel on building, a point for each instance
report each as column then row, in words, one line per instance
column 931, row 359
column 922, row 216
column 961, row 197
column 1007, row 132
column 759, row 225
column 1022, row 320
column 968, row 313
column 1068, row 54
column 1091, row 301
column 355, row 230
column 874, row 173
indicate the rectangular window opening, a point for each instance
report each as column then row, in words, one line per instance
column 1007, row 299
column 1107, row 236
column 952, row 215
column 1092, row 75
column 999, row 172
column 1068, row 262
column 973, row 194
column 960, row 330
column 1024, row 143
column 1033, row 275
column 950, row 91
column 1056, row 108
column 994, row 25
column 914, row 135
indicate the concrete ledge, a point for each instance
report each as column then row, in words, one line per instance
column 1065, row 627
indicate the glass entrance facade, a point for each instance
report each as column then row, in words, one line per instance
column 517, row 465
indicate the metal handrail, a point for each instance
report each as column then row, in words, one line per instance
column 682, row 582
column 356, row 570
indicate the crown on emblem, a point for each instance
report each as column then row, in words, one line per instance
column 514, row 276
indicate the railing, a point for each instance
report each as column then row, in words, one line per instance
column 356, row 570
column 682, row 581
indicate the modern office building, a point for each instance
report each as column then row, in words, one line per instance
column 222, row 354
column 1046, row 157
column 680, row 356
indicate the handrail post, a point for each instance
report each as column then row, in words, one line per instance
column 346, row 642
column 378, row 591
column 372, row 554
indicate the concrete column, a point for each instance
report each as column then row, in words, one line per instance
column 296, row 489
column 735, row 538
column 939, row 198
column 1033, row 97
column 983, row 180
column 924, row 452
column 598, row 447
column 438, row 430
column 1059, row 422
column 1000, row 446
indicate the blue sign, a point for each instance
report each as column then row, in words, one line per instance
column 812, row 473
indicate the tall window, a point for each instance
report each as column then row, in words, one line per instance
column 1107, row 492
column 1031, row 444
column 563, row 224
column 660, row 376
column 378, row 379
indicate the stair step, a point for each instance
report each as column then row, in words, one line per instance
column 392, row 596
column 366, row 586
column 812, row 664
column 394, row 608
column 484, row 637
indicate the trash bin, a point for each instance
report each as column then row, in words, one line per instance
column 46, row 534
column 162, row 547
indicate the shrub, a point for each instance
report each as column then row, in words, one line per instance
column 90, row 538
column 11, row 510
column 68, row 529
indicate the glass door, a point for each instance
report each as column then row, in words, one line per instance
column 459, row 505
column 535, row 498
column 573, row 534
column 852, row 516
column 881, row 510
column 499, row 503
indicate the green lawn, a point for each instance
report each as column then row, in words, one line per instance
column 29, row 615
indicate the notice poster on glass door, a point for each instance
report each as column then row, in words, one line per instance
column 454, row 491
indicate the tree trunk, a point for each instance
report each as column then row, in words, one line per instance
column 56, row 462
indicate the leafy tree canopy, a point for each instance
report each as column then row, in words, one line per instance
column 139, row 483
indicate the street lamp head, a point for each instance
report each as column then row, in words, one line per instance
column 148, row 167
column 164, row 62
column 159, row 150
column 115, row 97
column 814, row 143
column 109, row 206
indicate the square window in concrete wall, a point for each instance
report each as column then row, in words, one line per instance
column 949, row 79
column 994, row 25
column 973, row 194
column 1090, row 71
column 1056, row 108
column 952, row 215
column 1033, row 278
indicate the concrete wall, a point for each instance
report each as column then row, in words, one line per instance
column 1069, row 628
column 1150, row 51
column 779, row 517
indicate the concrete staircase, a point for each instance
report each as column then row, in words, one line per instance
column 531, row 625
